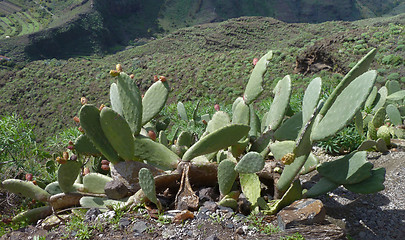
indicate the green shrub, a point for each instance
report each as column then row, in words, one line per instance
column 393, row 60
column 393, row 76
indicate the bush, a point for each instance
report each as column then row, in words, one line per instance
column 393, row 60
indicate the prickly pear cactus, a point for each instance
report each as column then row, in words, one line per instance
column 250, row 163
column 226, row 176
column 147, row 183
column 311, row 99
column 250, row 185
column 154, row 100
column 26, row 189
column 379, row 117
column 67, row 175
column 95, row 182
column 279, row 106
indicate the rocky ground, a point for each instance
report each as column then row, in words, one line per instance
column 349, row 216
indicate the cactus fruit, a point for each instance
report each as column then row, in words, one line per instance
column 250, row 185
column 118, row 133
column 279, row 106
column 217, row 140
column 154, row 100
column 383, row 132
column 288, row 158
column 251, row 162
column 351, row 98
column 90, row 120
column 67, row 175
column 254, row 86
column 26, row 189
column 147, row 184
column 226, row 176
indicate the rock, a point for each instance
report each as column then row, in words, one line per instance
column 116, row 190
column 244, row 205
column 124, row 222
column 240, row 231
column 139, row 227
column 182, row 216
column 212, row 237
column 53, row 221
column 211, row 206
column 304, row 211
column 207, row 194
column 91, row 214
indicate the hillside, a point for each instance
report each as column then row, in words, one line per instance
column 212, row 61
column 32, row 30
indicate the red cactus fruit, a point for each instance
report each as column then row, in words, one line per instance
column 217, row 108
column 101, row 107
column 205, row 122
column 81, row 129
column 152, row 135
column 34, row 182
column 28, row 177
column 76, row 119
column 105, row 162
column 61, row 160
column 155, row 78
column 132, row 76
column 65, row 155
column 105, row 167
column 255, row 60
column 73, row 157
column 86, row 171
column 70, row 147
column 162, row 78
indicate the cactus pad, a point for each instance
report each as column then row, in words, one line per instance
column 226, row 176
column 67, row 175
column 115, row 100
column 85, row 146
column 321, row 187
column 154, row 100
column 394, row 114
column 217, row 140
column 384, row 133
column 311, row 99
column 181, row 111
column 379, row 117
column 95, row 182
column 219, row 120
column 147, row 183
column 373, row 184
column 279, row 106
column 26, row 189
column 250, row 185
column 250, row 163
column 290, row 128
column 241, row 114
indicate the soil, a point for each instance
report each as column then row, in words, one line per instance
column 349, row 216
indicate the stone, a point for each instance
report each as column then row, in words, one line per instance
column 91, row 214
column 304, row 211
column 211, row 206
column 116, row 190
column 212, row 237
column 240, row 231
column 53, row 221
column 124, row 222
column 207, row 194
column 139, row 227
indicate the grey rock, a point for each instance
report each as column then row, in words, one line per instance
column 206, row 194
column 116, row 190
column 139, row 227
column 211, row 206
column 124, row 222
column 91, row 214
column 212, row 237
column 240, row 231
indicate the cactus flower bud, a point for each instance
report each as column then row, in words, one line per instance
column 288, row 158
column 118, row 67
column 86, row 171
column 81, row 129
column 76, row 119
column 105, row 167
column 255, row 60
column 132, row 76
column 155, row 78
column 105, row 162
column 205, row 122
column 70, row 147
column 114, row 73
column 28, row 177
column 34, row 182
column 162, row 78
column 61, row 160
column 101, row 107
column 83, row 100
column 217, row 108
column 71, row 143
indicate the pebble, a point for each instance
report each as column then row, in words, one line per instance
column 139, row 227
column 124, row 222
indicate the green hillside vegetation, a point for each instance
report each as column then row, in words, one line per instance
column 209, row 61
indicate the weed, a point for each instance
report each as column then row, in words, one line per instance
column 261, row 225
column 346, row 140
column 295, row 236
column 76, row 227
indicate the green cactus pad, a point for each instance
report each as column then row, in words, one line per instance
column 251, row 162
column 361, row 67
column 366, row 145
column 181, row 110
column 217, row 140
column 290, row 128
column 371, row 99
column 397, row 96
column 381, row 145
column 379, row 117
column 219, row 120
column 384, row 133
column 101, row 203
column 254, row 86
column 311, row 99
column 293, row 193
column 155, row 153
column 33, row 215
column 321, row 187
column 371, row 131
column 67, row 175
column 163, row 138
column 53, row 188
column 279, row 106
column 394, row 114
column 118, row 133
column 250, row 185
column 115, row 100
column 131, row 102
column 279, row 149
column 310, row 165
column 84, row 146
column 241, row 114
column 154, row 100
column 392, row 86
column 184, row 139
column 358, row 122
column 90, row 121
column 236, row 102
column 350, row 169
column 373, row 184
column 147, row 183
column 226, row 176
column 26, row 189
column 228, row 202
column 255, row 128
column 381, row 98
column 239, row 148
column 347, row 103
column 95, row 182
column 195, row 112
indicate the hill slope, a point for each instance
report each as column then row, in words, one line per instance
column 212, row 61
